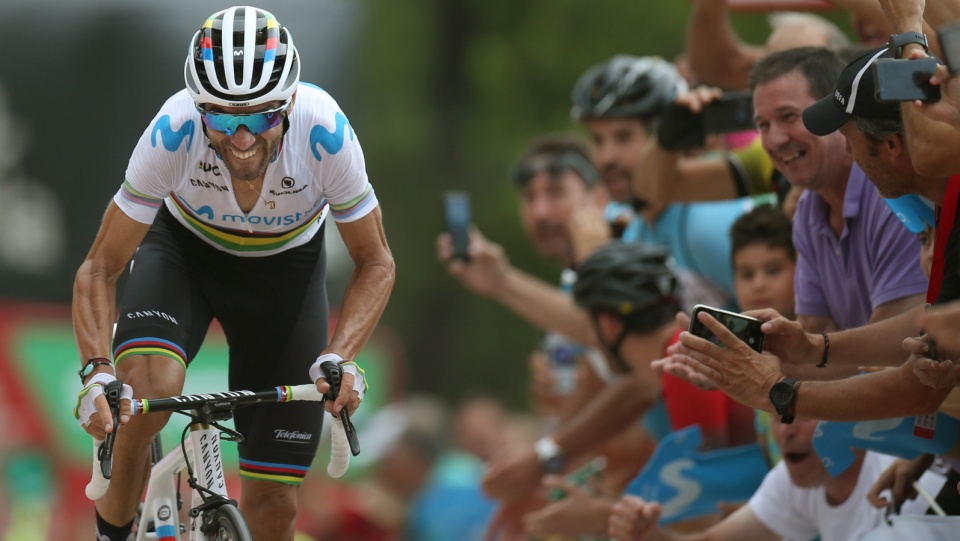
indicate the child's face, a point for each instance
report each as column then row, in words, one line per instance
column 763, row 278
column 926, row 238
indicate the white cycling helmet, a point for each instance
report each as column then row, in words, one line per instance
column 262, row 63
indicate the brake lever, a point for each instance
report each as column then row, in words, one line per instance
column 334, row 373
column 112, row 392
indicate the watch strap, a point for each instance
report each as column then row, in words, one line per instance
column 785, row 404
column 897, row 41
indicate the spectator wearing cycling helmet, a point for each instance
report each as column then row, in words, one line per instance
column 620, row 101
column 632, row 297
column 224, row 203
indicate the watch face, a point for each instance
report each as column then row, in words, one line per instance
column 781, row 394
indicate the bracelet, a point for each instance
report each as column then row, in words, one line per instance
column 91, row 364
column 826, row 349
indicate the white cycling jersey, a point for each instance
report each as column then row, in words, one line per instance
column 319, row 165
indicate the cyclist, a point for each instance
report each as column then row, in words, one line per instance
column 228, row 223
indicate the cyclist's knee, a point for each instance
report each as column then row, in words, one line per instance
column 269, row 502
column 152, row 376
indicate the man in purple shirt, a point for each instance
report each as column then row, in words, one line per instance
column 856, row 263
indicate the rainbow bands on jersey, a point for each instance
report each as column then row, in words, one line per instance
column 256, row 123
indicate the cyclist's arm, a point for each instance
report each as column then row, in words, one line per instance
column 95, row 286
column 544, row 305
column 369, row 287
column 716, row 54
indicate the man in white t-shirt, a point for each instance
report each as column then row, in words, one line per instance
column 798, row 499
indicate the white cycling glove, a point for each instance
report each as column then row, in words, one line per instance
column 86, row 406
column 348, row 367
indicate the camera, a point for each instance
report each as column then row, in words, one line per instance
column 905, row 80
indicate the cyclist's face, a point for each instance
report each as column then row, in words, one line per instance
column 245, row 155
column 806, row 160
column 616, row 145
column 547, row 203
column 795, row 441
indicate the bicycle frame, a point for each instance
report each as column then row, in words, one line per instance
column 160, row 503
column 202, row 449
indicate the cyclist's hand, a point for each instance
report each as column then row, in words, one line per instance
column 348, row 397
column 352, row 383
column 92, row 410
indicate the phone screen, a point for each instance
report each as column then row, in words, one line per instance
column 905, row 80
column 744, row 327
column 456, row 207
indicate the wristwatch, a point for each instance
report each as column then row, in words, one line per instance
column 897, row 41
column 783, row 396
column 550, row 456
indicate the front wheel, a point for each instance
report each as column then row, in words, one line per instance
column 228, row 524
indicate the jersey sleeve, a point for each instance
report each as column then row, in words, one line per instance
column 346, row 186
column 157, row 162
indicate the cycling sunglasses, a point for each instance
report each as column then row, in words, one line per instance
column 256, row 123
column 554, row 166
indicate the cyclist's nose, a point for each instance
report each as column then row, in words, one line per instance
column 242, row 138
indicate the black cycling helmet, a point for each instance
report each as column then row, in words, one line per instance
column 626, row 86
column 631, row 281
column 241, row 56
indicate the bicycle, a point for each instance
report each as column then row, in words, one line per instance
column 213, row 516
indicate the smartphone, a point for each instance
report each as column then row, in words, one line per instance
column 456, row 206
column 746, row 328
column 949, row 36
column 732, row 112
column 905, row 80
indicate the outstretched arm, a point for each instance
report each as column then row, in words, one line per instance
column 717, row 55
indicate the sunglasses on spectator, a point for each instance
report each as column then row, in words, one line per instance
column 554, row 166
column 256, row 123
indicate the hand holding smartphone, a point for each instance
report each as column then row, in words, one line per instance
column 745, row 328
column 899, row 80
column 456, row 206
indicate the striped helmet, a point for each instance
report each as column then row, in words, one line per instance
column 241, row 56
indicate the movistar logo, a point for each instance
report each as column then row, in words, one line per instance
column 332, row 142
column 172, row 139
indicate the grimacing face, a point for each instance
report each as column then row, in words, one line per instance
column 246, row 156
column 806, row 160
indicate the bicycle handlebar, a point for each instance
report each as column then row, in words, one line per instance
column 343, row 437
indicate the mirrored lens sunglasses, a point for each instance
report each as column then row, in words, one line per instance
column 256, row 123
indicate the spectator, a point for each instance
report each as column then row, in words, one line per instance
column 867, row 396
column 797, row 500
column 631, row 295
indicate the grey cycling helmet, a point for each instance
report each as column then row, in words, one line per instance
column 241, row 56
column 626, row 86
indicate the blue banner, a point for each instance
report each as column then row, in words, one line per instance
column 688, row 483
column 906, row 437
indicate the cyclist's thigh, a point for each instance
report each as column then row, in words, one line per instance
column 276, row 331
column 163, row 317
